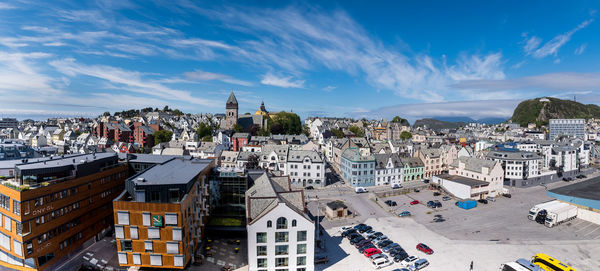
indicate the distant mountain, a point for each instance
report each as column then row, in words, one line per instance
column 541, row 110
column 438, row 124
column 470, row 120
column 491, row 121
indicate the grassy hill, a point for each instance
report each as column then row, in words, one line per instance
column 438, row 124
column 535, row 111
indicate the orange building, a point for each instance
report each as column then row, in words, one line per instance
column 54, row 205
column 160, row 217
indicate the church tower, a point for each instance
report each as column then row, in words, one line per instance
column 231, row 112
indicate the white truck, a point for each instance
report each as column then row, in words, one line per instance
column 560, row 215
column 538, row 207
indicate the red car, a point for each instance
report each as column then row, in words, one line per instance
column 414, row 202
column 424, row 248
column 371, row 251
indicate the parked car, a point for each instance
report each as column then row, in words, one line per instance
column 353, row 235
column 391, row 203
column 321, row 259
column 424, row 248
column 492, row 199
column 365, row 229
column 437, row 204
column 380, row 238
column 348, row 232
column 401, row 269
column 310, row 187
column 377, row 256
column 395, row 251
column 414, row 202
column 369, row 232
column 381, row 263
column 356, row 240
column 365, row 247
column 374, row 235
column 400, row 256
column 371, row 251
column 417, row 190
column 359, row 226
column 419, row 264
column 384, row 243
column 403, row 214
column 446, row 198
column 507, row 195
column 396, row 186
column 408, row 261
column 435, row 194
column 426, row 180
column 345, row 228
column 389, row 247
column 362, row 243
column 431, row 204
column 484, row 201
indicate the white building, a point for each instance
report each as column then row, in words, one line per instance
column 280, row 233
column 305, row 168
column 482, row 170
column 388, row 169
column 520, row 168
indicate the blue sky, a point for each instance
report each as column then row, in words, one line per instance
column 337, row 58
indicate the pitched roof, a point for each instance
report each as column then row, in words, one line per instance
column 232, row 99
column 267, row 192
column 474, row 164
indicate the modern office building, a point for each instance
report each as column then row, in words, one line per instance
column 280, row 233
column 161, row 215
column 8, row 123
column 567, row 127
column 53, row 206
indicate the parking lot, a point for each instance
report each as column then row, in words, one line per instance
column 488, row 235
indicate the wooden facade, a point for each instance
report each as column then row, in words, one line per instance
column 191, row 211
column 49, row 222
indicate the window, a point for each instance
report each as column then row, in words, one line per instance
column 170, row 219
column 269, row 224
column 155, row 260
column 154, row 196
column 125, row 245
column 261, row 251
column 282, row 223
column 148, row 246
column 146, row 219
column 133, row 231
column 137, row 258
column 281, row 237
column 172, row 247
column 16, row 207
column 301, row 249
column 123, row 217
column 174, row 195
column 119, row 232
column 178, row 260
column 153, row 233
column 177, row 234
column 261, row 262
column 281, row 250
column 122, row 258
column 294, row 223
column 281, row 262
column 7, row 223
column 261, row 237
column 17, row 247
column 5, row 201
column 301, row 260
column 301, row 236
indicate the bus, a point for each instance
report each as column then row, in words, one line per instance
column 520, row 265
column 550, row 264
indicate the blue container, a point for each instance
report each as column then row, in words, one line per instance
column 467, row 204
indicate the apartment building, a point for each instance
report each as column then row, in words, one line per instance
column 160, row 217
column 482, row 170
column 305, row 168
column 388, row 169
column 53, row 206
column 358, row 170
column 520, row 168
column 567, row 127
column 280, row 233
column 432, row 158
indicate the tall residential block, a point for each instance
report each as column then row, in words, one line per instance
column 567, row 127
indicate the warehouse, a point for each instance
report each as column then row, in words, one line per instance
column 585, row 195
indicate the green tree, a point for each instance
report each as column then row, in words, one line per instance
column 263, row 132
column 207, row 138
column 305, row 130
column 106, row 114
column 400, row 120
column 405, row 135
column 338, row 133
column 285, row 123
column 204, row 130
column 162, row 136
column 357, row 131
column 238, row 128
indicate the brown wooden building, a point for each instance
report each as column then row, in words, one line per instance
column 53, row 206
column 160, row 217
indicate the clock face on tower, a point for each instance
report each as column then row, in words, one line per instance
column 157, row 221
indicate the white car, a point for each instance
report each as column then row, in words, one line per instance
column 345, row 228
column 408, row 261
column 381, row 263
column 418, row 265
column 377, row 256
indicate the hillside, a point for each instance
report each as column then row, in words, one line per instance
column 438, row 124
column 535, row 111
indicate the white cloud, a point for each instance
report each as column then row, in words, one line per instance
column 531, row 44
column 476, row 67
column 329, row 88
column 559, row 82
column 284, row 82
column 580, row 49
column 6, row 6
column 199, row 75
column 127, row 80
column 551, row 47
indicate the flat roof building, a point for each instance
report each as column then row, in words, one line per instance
column 54, row 205
column 567, row 127
column 161, row 215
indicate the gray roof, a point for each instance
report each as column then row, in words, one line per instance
column 298, row 156
column 412, row 161
column 474, row 164
column 430, row 152
column 149, row 158
column 174, row 171
column 589, row 189
column 382, row 160
column 463, row 180
column 231, row 99
column 353, row 154
column 242, row 135
column 334, row 205
column 267, row 192
column 68, row 160
column 512, row 155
